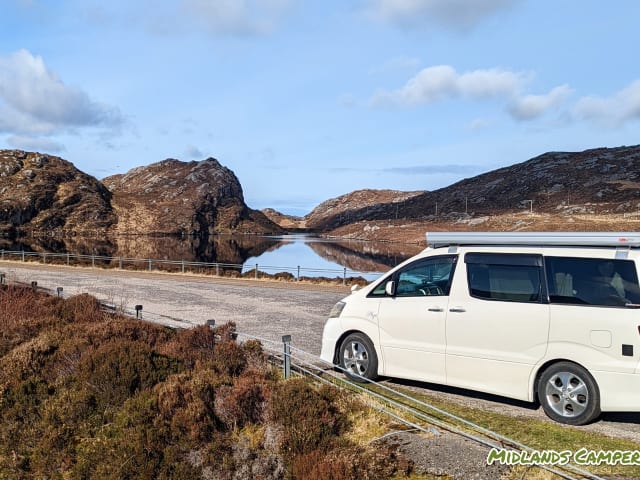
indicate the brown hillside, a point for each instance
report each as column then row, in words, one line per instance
column 355, row 206
column 43, row 193
column 179, row 197
column 595, row 189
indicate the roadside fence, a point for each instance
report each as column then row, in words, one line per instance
column 183, row 266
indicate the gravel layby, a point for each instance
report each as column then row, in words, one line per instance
column 271, row 309
column 266, row 309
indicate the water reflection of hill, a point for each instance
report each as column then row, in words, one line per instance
column 359, row 256
column 233, row 249
column 365, row 256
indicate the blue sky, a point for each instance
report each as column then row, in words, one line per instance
column 307, row 100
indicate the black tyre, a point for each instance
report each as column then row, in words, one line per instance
column 358, row 357
column 569, row 394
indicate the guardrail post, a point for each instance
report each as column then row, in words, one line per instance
column 23, row 255
column 217, row 269
column 93, row 260
column 68, row 258
column 256, row 272
column 44, row 258
column 286, row 366
column 149, row 264
column 59, row 290
column 298, row 277
column 182, row 266
column 120, row 263
column 211, row 323
column 138, row 309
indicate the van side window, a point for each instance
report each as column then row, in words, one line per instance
column 424, row 277
column 505, row 277
column 592, row 281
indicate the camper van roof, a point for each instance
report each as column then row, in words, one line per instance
column 593, row 239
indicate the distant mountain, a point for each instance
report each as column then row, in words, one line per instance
column 183, row 197
column 46, row 194
column 288, row 222
column 356, row 206
column 603, row 180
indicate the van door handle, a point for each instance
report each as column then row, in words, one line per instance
column 435, row 309
column 457, row 310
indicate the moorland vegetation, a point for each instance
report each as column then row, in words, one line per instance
column 90, row 394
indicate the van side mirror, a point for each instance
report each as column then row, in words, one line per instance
column 390, row 288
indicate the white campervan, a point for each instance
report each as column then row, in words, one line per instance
column 540, row 316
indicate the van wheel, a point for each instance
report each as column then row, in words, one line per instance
column 358, row 358
column 569, row 394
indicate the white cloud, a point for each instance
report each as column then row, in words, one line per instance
column 529, row 107
column 442, row 81
column 35, row 144
column 33, row 100
column 622, row 107
column 458, row 14
column 236, row 17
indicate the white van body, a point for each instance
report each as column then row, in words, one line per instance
column 533, row 316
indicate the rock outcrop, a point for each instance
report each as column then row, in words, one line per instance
column 174, row 197
column 356, row 206
column 43, row 194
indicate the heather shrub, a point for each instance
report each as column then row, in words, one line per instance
column 24, row 313
column 121, row 368
column 350, row 463
column 136, row 445
column 243, row 402
column 308, row 415
column 192, row 345
column 229, row 359
column 185, row 403
column 80, row 308
column 226, row 332
column 97, row 333
column 27, row 358
column 89, row 395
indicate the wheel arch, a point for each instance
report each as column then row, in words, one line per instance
column 543, row 367
column 345, row 334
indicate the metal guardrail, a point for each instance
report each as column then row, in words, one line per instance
column 178, row 266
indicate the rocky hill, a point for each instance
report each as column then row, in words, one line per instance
column 183, row 197
column 46, row 194
column 604, row 181
column 288, row 222
column 43, row 195
column 357, row 205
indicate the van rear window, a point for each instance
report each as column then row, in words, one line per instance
column 592, row 281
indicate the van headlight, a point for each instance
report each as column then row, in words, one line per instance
column 337, row 310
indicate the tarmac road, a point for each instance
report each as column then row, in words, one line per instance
column 266, row 309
